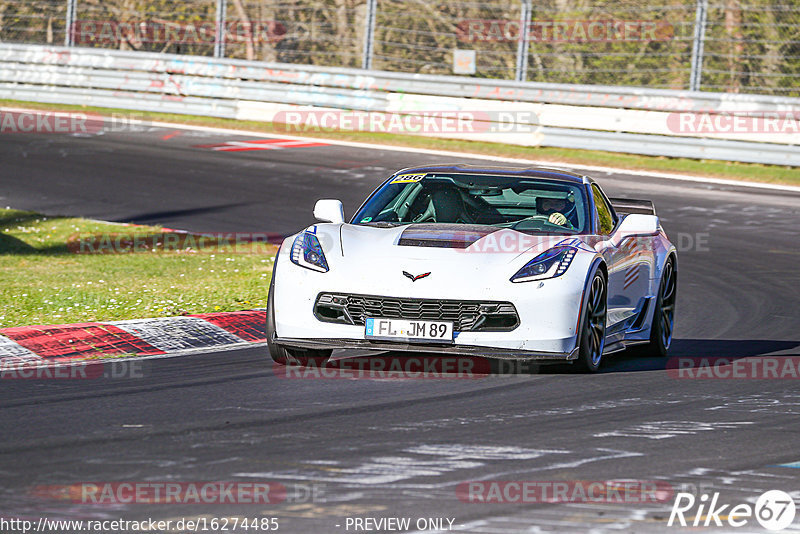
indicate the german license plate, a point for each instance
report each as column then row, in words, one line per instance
column 409, row 330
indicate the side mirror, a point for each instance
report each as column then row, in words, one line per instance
column 636, row 224
column 329, row 210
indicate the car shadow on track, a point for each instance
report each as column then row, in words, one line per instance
column 156, row 217
column 402, row 365
column 698, row 349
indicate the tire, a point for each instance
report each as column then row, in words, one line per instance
column 282, row 355
column 592, row 338
column 664, row 313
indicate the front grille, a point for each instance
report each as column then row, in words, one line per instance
column 466, row 315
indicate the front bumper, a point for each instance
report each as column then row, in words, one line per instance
column 465, row 350
column 548, row 310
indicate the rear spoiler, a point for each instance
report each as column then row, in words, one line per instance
column 627, row 206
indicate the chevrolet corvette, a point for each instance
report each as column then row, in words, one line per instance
column 521, row 263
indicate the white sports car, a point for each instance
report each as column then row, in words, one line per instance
column 531, row 263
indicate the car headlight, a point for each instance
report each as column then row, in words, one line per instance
column 307, row 252
column 549, row 264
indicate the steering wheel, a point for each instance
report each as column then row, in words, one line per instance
column 426, row 215
column 570, row 212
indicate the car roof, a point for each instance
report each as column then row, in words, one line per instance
column 526, row 172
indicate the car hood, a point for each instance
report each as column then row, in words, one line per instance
column 457, row 243
column 425, row 260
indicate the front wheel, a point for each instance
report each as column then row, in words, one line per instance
column 285, row 356
column 664, row 314
column 592, row 338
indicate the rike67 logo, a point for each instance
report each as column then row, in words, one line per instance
column 774, row 510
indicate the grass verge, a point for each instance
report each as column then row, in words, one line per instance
column 711, row 168
column 56, row 270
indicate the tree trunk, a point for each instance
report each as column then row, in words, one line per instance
column 248, row 29
column 733, row 29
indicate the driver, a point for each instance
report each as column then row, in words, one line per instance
column 556, row 208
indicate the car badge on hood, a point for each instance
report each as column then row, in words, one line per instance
column 415, row 278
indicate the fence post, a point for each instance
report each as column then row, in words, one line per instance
column 219, row 32
column 521, row 71
column 369, row 34
column 69, row 36
column 697, row 47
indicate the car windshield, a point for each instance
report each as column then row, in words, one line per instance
column 530, row 205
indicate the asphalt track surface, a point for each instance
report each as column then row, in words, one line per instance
column 399, row 448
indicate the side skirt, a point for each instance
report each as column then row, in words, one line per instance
column 618, row 340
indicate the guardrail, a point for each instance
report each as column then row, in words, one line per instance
column 618, row 119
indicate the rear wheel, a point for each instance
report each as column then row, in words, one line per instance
column 283, row 355
column 664, row 314
column 592, row 338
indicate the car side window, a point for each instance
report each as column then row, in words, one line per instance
column 604, row 213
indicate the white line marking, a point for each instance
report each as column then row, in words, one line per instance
column 598, row 168
column 564, row 165
column 614, row 170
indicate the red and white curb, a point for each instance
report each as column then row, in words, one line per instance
column 261, row 144
column 34, row 345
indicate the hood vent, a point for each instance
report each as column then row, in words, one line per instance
column 443, row 235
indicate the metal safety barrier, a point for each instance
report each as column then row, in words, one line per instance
column 742, row 46
column 658, row 122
